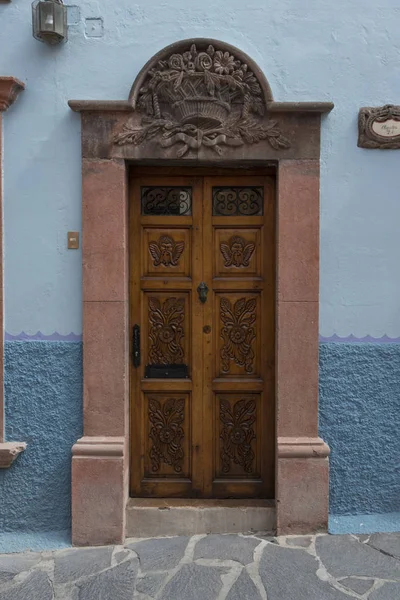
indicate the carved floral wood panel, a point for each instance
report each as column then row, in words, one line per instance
column 167, row 440
column 202, row 97
column 166, row 333
column 237, row 420
column 238, row 332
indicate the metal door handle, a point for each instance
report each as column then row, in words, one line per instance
column 202, row 290
column 136, row 345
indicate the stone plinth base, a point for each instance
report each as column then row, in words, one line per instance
column 302, row 485
column 98, row 491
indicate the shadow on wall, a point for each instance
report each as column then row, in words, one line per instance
column 359, row 417
column 43, row 406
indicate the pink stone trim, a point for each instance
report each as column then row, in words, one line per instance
column 100, row 458
column 105, row 447
column 98, row 491
column 10, row 87
column 306, row 447
column 9, row 451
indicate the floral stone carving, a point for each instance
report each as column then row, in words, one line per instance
column 166, row 251
column 236, row 252
column 237, row 433
column 238, row 333
column 166, row 433
column 200, row 99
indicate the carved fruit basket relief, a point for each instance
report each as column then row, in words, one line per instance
column 199, row 98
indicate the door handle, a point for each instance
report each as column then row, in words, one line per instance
column 136, row 346
column 202, row 290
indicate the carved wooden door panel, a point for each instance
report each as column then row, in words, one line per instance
column 239, row 350
column 166, row 388
column 202, row 294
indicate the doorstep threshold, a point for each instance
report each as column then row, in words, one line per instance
column 154, row 517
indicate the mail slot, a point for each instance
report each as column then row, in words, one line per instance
column 166, row 372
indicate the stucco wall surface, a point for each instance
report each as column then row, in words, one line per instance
column 360, row 420
column 43, row 385
column 348, row 52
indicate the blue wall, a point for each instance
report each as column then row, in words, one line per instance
column 360, row 420
column 43, row 387
column 347, row 52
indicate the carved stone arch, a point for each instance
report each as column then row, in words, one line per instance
column 201, row 45
column 201, row 94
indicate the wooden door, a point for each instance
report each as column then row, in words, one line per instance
column 202, row 303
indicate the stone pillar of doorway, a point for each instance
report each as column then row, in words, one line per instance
column 302, row 457
column 99, row 463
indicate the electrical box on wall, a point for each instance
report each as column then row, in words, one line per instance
column 73, row 240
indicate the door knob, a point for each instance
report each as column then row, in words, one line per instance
column 202, row 290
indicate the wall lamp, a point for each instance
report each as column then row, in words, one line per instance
column 49, row 21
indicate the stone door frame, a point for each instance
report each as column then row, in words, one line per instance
column 100, row 483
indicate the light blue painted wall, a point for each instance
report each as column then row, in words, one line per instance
column 314, row 50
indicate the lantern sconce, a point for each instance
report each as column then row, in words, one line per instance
column 49, row 21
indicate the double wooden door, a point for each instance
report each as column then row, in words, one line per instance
column 202, row 318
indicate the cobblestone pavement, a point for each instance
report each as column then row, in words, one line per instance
column 211, row 567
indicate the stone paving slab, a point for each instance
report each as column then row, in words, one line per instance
column 344, row 555
column 211, row 567
column 361, row 586
column 160, row 554
column 70, row 565
column 388, row 543
column 226, row 547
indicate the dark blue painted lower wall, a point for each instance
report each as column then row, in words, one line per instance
column 360, row 420
column 43, row 407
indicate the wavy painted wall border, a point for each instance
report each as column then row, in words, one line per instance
column 74, row 337
column 352, row 339
column 42, row 337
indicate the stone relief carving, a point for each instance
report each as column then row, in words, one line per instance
column 237, row 252
column 238, row 333
column 166, row 251
column 166, row 433
column 200, row 99
column 166, row 330
column 379, row 127
column 237, row 433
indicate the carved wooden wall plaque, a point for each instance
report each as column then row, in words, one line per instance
column 379, row 127
column 202, row 97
